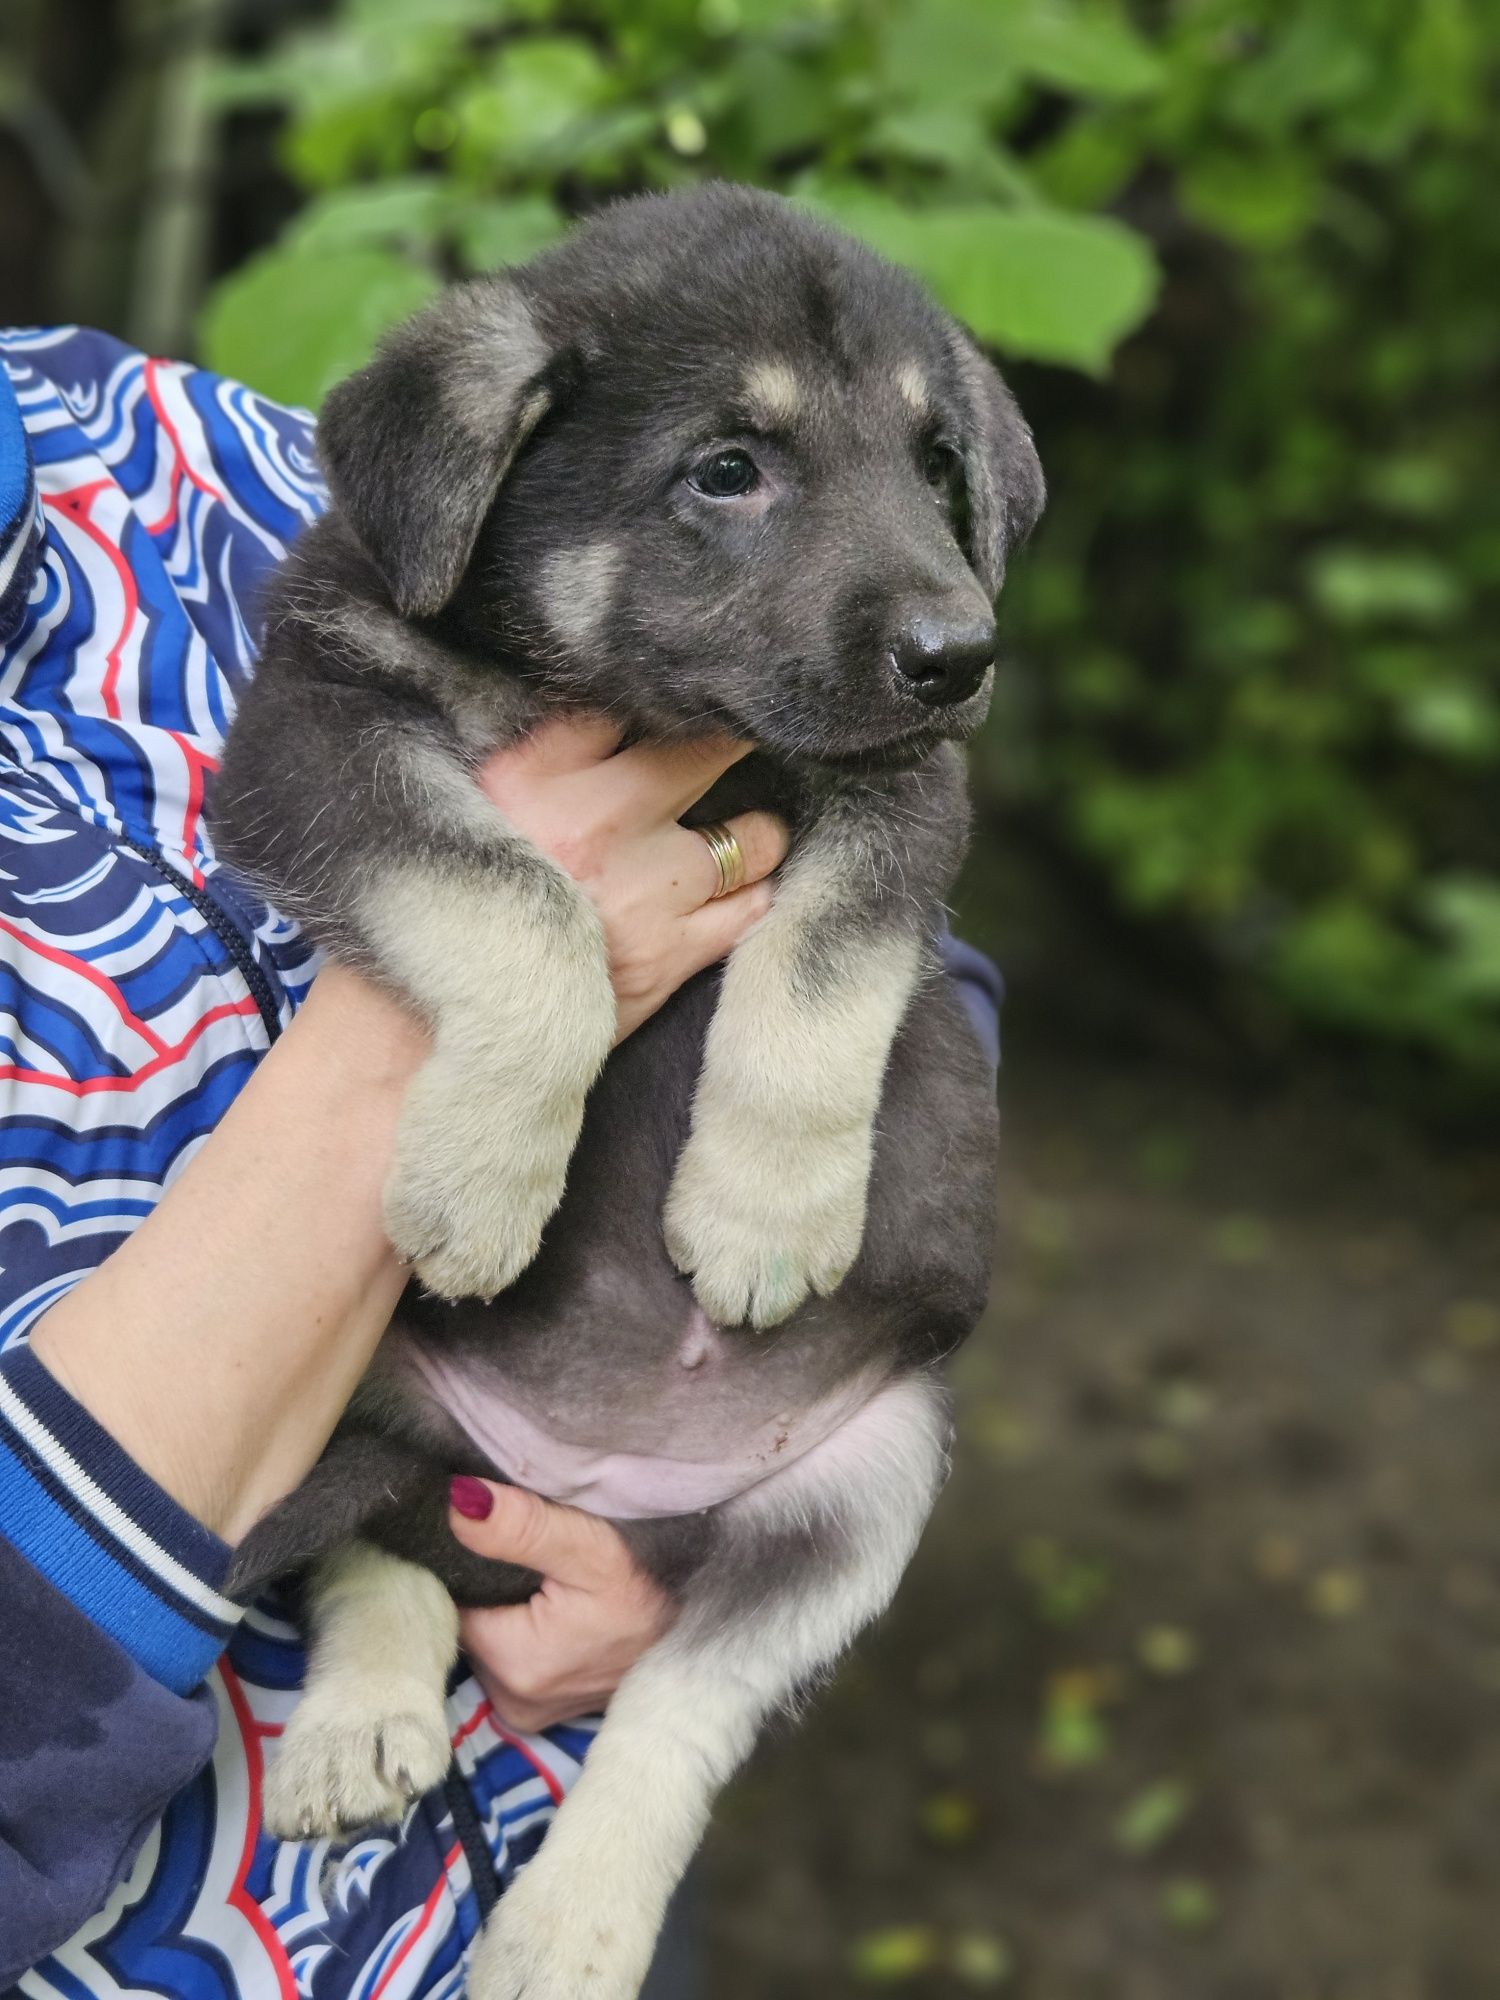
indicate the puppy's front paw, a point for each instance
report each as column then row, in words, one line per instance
column 758, row 1219
column 558, row 1939
column 341, row 1768
column 480, row 1164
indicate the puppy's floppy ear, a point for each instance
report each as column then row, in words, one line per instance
column 416, row 444
column 1004, row 474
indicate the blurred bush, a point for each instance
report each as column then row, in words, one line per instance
column 1256, row 696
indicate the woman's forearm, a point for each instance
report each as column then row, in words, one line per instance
column 220, row 1343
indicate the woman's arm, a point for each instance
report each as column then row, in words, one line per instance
column 220, row 1342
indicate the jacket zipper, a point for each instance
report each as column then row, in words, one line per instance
column 471, row 1837
column 224, row 928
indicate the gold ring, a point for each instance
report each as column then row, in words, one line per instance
column 729, row 857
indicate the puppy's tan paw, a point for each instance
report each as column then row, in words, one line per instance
column 337, row 1772
column 557, row 1939
column 758, row 1221
column 480, row 1166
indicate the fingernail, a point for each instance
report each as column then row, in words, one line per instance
column 471, row 1497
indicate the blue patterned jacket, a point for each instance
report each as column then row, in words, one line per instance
column 141, row 503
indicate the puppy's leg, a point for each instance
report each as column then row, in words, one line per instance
column 370, row 1733
column 768, row 1201
column 512, row 972
column 359, row 815
column 802, row 1562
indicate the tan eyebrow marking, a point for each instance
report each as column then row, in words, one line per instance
column 913, row 386
column 773, row 392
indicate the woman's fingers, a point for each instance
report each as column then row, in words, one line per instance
column 562, row 743
column 762, row 839
column 667, row 778
column 564, row 1651
column 609, row 818
column 713, row 932
column 564, row 1543
column 558, row 747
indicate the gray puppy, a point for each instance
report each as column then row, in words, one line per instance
column 707, row 466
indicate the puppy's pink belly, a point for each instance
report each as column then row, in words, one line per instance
column 625, row 1486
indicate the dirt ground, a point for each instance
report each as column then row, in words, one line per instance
column 1194, row 1690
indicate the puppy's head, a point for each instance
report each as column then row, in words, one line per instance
column 708, row 464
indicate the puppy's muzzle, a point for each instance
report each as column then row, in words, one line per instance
column 942, row 661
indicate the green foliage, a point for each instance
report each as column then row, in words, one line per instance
column 1259, row 689
column 295, row 322
column 417, row 130
column 1255, row 687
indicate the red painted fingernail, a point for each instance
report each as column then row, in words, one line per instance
column 471, row 1497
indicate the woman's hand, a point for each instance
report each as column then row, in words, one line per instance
column 609, row 817
column 564, row 1652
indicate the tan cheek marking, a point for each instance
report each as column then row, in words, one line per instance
column 913, row 386
column 576, row 589
column 773, row 388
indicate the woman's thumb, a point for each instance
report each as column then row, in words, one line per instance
column 509, row 1524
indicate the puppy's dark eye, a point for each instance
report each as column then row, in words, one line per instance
column 726, row 475
column 942, row 467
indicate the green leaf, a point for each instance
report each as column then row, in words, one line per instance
column 1316, row 59
column 523, row 109
column 1073, row 1734
column 1041, row 284
column 950, row 1818
column 981, row 1959
column 508, row 230
column 1153, row 1816
column 1089, row 52
column 1189, row 1904
column 1466, row 908
column 948, row 52
column 291, row 324
column 883, row 1957
column 1419, row 484
column 1261, row 200
column 958, row 52
column 384, row 17
column 234, row 83
column 784, row 105
column 1452, row 717
column 406, row 208
column 956, row 139
column 1360, row 586
column 1067, row 1587
column 1090, row 162
column 353, row 137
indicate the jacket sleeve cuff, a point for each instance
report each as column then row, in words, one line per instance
column 104, row 1534
column 980, row 988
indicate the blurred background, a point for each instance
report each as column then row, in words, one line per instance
column 1195, row 1688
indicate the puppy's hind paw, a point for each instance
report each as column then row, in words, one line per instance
column 338, row 1772
column 556, row 1940
column 480, row 1166
column 756, row 1242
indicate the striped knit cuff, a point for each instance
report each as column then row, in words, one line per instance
column 20, row 513
column 81, row 1511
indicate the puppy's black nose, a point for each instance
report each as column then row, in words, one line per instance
column 944, row 659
